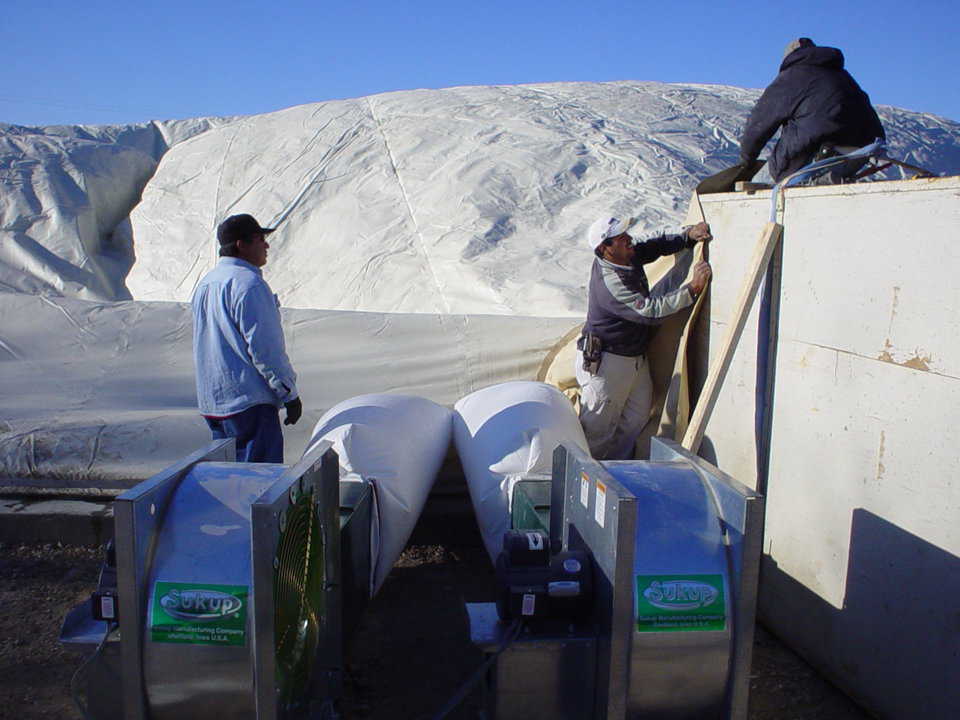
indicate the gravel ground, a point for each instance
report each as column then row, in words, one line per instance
column 408, row 656
column 38, row 585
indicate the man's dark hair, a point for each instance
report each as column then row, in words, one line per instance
column 229, row 250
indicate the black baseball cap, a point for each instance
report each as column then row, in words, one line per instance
column 240, row 227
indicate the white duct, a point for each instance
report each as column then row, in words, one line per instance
column 397, row 443
column 504, row 433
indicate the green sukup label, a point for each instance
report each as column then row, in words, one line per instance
column 199, row 614
column 668, row 603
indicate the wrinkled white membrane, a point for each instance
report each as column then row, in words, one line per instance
column 99, row 394
column 453, row 204
column 464, row 200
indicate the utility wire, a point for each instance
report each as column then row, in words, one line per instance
column 75, row 680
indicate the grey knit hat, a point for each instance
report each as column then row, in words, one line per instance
column 796, row 45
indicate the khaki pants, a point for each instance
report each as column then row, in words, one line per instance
column 614, row 404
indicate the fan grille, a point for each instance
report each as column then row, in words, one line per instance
column 298, row 598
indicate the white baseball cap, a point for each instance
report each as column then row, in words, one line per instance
column 607, row 227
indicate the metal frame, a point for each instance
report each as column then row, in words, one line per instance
column 612, row 548
column 741, row 511
column 530, row 493
column 137, row 514
column 356, row 562
column 318, row 471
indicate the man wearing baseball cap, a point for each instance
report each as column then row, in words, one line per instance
column 243, row 373
column 622, row 316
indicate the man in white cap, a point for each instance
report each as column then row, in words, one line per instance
column 243, row 373
column 622, row 316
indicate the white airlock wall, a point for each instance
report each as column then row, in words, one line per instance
column 861, row 571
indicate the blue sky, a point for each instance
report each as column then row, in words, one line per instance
column 105, row 61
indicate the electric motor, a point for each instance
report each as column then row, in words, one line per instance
column 532, row 584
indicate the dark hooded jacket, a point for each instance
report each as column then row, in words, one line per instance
column 814, row 100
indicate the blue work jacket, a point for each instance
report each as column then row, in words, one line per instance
column 238, row 348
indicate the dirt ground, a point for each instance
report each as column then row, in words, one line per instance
column 408, row 656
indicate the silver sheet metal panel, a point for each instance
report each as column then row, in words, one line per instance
column 681, row 636
column 138, row 517
column 537, row 675
column 676, row 546
column 201, row 551
column 298, row 642
column 356, row 561
column 740, row 513
column 194, row 668
column 599, row 516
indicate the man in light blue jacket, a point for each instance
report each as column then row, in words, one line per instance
column 243, row 373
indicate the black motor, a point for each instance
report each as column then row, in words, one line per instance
column 533, row 585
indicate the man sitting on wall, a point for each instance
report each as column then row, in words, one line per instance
column 817, row 105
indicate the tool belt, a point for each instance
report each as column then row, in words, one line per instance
column 592, row 348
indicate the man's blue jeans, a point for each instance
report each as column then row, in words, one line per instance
column 257, row 432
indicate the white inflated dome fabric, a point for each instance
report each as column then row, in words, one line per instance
column 397, row 443
column 504, row 433
column 429, row 243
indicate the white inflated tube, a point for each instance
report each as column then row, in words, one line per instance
column 504, row 433
column 397, row 443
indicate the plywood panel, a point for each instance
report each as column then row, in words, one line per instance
column 862, row 544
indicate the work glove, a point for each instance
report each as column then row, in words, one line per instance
column 294, row 411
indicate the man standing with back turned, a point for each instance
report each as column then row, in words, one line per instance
column 816, row 103
column 243, row 373
column 622, row 316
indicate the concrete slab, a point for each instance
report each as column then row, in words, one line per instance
column 70, row 522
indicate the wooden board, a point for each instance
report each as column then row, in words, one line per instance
column 744, row 186
column 772, row 233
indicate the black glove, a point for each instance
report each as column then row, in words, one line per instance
column 294, row 410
